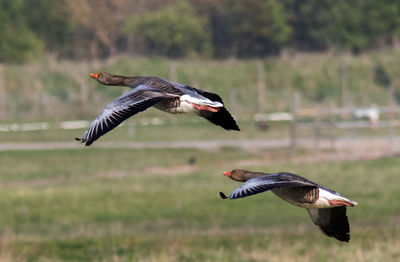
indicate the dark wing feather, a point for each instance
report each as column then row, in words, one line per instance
column 120, row 109
column 221, row 118
column 332, row 221
column 267, row 182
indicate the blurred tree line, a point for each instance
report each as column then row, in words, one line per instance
column 87, row 29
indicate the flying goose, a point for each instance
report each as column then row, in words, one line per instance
column 163, row 94
column 326, row 208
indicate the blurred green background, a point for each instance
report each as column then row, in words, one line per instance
column 148, row 190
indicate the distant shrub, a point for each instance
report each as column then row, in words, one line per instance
column 381, row 78
column 19, row 44
column 174, row 31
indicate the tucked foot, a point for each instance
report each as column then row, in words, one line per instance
column 222, row 195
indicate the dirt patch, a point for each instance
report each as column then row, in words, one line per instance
column 112, row 174
column 155, row 170
column 175, row 170
column 33, row 183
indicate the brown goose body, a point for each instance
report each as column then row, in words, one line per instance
column 301, row 196
column 149, row 91
column 327, row 208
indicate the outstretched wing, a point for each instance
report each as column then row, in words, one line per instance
column 120, row 109
column 264, row 183
column 332, row 221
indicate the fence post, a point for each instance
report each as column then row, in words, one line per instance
column 344, row 82
column 317, row 125
column 332, row 125
column 260, row 86
column 172, row 71
column 392, row 131
column 293, row 126
column 37, row 107
column 84, row 96
column 2, row 95
column 81, row 77
column 233, row 100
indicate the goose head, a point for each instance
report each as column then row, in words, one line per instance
column 106, row 78
column 239, row 175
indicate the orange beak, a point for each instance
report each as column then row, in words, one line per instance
column 94, row 75
column 227, row 173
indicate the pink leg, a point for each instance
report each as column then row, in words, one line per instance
column 206, row 108
column 339, row 203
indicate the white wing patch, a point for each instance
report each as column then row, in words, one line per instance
column 200, row 101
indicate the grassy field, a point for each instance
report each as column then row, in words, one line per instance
column 153, row 205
